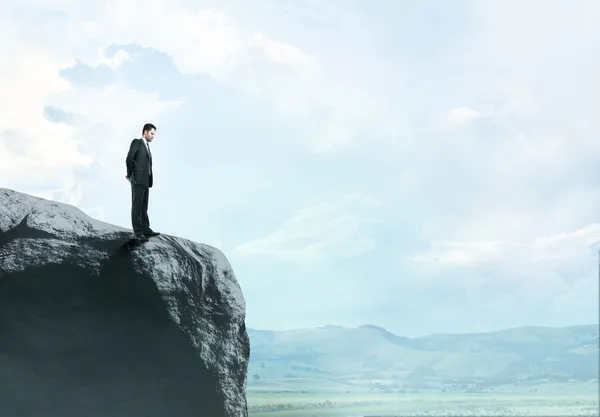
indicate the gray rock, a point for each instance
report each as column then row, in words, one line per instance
column 93, row 325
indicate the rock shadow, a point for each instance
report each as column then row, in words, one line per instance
column 75, row 344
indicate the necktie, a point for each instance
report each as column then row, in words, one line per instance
column 149, row 157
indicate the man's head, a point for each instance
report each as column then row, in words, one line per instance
column 148, row 132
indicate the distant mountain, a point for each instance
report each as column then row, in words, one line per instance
column 370, row 352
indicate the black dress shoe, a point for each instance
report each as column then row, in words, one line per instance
column 142, row 238
column 151, row 234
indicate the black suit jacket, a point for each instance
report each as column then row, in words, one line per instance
column 139, row 164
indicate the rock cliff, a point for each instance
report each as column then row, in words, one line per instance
column 93, row 326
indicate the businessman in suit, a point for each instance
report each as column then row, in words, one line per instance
column 139, row 174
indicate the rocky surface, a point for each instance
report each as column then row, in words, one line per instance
column 94, row 326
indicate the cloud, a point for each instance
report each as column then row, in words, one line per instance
column 574, row 246
column 50, row 130
column 114, row 60
column 34, row 149
column 298, row 83
column 543, row 274
column 326, row 231
column 478, row 134
column 281, row 52
column 462, row 115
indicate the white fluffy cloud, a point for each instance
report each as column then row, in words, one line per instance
column 41, row 156
column 199, row 40
column 31, row 145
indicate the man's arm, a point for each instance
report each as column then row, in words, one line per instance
column 134, row 148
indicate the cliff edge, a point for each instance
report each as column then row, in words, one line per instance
column 91, row 326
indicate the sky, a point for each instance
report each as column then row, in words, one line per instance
column 425, row 166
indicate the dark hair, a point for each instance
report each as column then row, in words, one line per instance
column 148, row 127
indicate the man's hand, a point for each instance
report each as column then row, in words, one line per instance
column 134, row 149
column 126, row 177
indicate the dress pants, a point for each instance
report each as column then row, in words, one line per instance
column 139, row 209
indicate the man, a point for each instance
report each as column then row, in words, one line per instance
column 139, row 174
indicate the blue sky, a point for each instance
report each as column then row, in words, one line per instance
column 420, row 166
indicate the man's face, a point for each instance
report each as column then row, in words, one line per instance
column 149, row 135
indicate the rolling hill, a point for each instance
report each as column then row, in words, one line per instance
column 370, row 353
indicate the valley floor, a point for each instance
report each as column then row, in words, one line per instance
column 551, row 400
